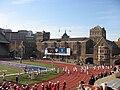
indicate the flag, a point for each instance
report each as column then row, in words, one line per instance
column 69, row 30
column 59, row 29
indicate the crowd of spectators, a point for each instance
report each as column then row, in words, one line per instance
column 103, row 86
column 13, row 86
column 53, row 86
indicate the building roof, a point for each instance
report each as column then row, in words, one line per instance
column 79, row 39
column 112, row 43
column 97, row 28
column 70, row 39
column 3, row 39
column 65, row 35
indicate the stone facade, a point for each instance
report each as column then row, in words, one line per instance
column 93, row 49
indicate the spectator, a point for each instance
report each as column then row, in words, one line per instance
column 66, row 69
column 81, row 82
column 4, row 76
column 64, row 85
column 35, row 87
column 46, row 87
column 22, row 87
column 27, row 87
column 58, row 85
column 92, row 80
column 17, row 79
column 58, row 70
column 55, row 85
column 52, row 86
column 114, row 69
column 96, row 77
column 81, row 87
column 68, row 72
column 17, row 88
column 101, row 75
column 49, row 85
column 42, row 85
column 14, row 86
column 39, row 70
column 105, row 87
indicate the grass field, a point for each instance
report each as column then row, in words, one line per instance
column 23, row 79
column 9, row 69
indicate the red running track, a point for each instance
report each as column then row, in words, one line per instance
column 72, row 79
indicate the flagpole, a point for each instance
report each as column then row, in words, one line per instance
column 69, row 33
column 59, row 32
column 59, row 43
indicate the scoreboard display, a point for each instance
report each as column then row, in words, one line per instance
column 51, row 50
column 57, row 51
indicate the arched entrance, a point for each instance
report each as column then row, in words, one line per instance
column 89, row 60
column 117, row 62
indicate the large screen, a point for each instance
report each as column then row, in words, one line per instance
column 57, row 51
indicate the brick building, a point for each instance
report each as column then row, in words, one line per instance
column 22, row 36
column 93, row 49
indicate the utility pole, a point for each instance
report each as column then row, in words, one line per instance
column 22, row 48
column 15, row 48
column 21, row 54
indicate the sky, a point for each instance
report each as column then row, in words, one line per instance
column 76, row 17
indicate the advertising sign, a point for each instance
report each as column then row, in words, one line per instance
column 57, row 51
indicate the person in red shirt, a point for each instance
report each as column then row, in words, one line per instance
column 35, row 87
column 42, row 85
column 14, row 87
column 53, row 87
column 46, row 87
column 49, row 85
column 58, row 85
column 27, row 87
column 17, row 88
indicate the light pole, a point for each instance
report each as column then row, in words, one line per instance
column 53, row 57
column 21, row 54
column 15, row 49
column 22, row 48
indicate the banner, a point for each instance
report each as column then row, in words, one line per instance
column 57, row 51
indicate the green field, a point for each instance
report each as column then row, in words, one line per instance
column 23, row 79
column 9, row 69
